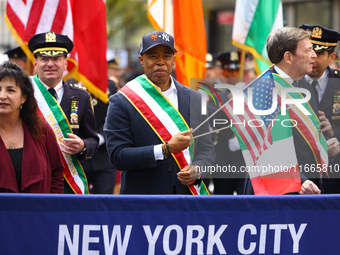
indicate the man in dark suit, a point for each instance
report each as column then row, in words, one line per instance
column 147, row 126
column 76, row 121
column 292, row 53
column 326, row 84
column 100, row 173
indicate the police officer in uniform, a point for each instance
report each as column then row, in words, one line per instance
column 325, row 82
column 50, row 51
column 18, row 56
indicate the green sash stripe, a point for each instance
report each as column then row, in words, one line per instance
column 161, row 100
column 285, row 84
column 166, row 106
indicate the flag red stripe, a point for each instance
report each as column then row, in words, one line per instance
column 278, row 183
column 34, row 19
column 252, row 134
column 253, row 143
column 60, row 17
column 16, row 22
column 241, row 133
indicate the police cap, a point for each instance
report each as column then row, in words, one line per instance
column 16, row 53
column 50, row 44
column 211, row 60
column 322, row 38
column 113, row 63
column 230, row 60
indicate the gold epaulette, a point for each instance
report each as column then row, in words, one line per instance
column 79, row 86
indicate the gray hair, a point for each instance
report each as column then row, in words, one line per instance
column 282, row 40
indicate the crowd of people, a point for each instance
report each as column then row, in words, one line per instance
column 57, row 138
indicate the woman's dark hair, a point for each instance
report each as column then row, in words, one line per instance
column 28, row 113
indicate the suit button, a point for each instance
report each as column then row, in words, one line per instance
column 169, row 168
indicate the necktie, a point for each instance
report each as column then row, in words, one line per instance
column 295, row 84
column 53, row 92
column 314, row 84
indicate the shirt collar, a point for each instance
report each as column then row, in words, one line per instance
column 283, row 74
column 57, row 87
column 323, row 76
column 171, row 88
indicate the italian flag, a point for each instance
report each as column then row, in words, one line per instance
column 254, row 20
column 276, row 171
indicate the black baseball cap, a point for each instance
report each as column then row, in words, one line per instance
column 16, row 53
column 155, row 38
column 50, row 44
column 322, row 38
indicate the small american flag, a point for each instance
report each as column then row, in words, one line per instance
column 254, row 130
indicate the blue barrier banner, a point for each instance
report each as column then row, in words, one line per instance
column 93, row 225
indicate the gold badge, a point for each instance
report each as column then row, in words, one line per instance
column 74, row 113
column 234, row 56
column 336, row 106
column 317, row 32
column 50, row 37
column 94, row 101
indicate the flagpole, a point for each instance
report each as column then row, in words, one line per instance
column 242, row 63
column 210, row 132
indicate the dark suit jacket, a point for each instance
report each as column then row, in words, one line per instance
column 100, row 161
column 87, row 123
column 131, row 141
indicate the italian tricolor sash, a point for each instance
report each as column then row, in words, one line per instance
column 307, row 125
column 54, row 115
column 163, row 118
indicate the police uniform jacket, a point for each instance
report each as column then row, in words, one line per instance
column 86, row 120
column 131, row 141
column 327, row 101
column 331, row 182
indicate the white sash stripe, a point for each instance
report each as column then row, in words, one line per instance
column 158, row 111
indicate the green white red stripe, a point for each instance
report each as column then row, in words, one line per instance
column 54, row 115
column 277, row 180
column 253, row 21
column 308, row 125
column 161, row 115
column 265, row 145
